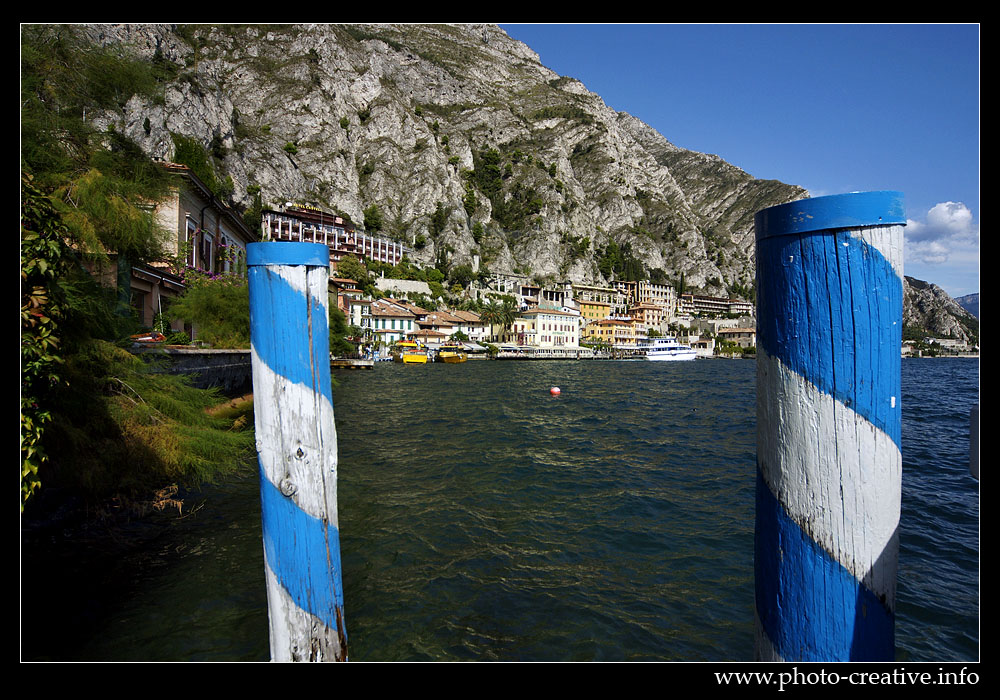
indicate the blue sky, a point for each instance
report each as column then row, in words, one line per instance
column 832, row 108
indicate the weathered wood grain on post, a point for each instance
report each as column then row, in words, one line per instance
column 297, row 449
column 829, row 466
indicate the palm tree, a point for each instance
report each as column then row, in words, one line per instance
column 491, row 314
column 508, row 312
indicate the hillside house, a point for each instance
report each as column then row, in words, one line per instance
column 203, row 235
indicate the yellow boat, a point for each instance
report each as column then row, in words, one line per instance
column 452, row 354
column 410, row 353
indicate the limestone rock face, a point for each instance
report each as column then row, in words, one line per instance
column 472, row 151
column 929, row 307
column 406, row 117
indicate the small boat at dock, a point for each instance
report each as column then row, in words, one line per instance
column 452, row 354
column 410, row 352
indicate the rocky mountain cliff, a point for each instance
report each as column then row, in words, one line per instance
column 454, row 139
column 929, row 308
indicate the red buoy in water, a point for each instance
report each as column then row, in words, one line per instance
column 555, row 391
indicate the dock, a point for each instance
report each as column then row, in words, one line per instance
column 349, row 363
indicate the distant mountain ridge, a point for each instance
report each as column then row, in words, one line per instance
column 970, row 302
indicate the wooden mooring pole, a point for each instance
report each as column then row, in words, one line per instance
column 297, row 449
column 829, row 466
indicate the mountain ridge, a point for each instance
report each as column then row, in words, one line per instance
column 398, row 116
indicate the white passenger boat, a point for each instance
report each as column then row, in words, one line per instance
column 666, row 349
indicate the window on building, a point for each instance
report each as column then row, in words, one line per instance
column 190, row 242
column 137, row 301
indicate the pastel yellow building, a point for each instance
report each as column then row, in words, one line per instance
column 610, row 331
column 594, row 310
column 650, row 316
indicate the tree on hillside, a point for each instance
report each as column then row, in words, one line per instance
column 349, row 267
column 339, row 330
column 219, row 308
column 373, row 218
column 461, row 275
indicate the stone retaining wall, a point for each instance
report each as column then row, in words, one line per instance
column 229, row 370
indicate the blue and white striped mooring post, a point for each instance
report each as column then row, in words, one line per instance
column 297, row 449
column 829, row 466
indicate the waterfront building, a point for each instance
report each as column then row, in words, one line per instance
column 297, row 222
column 360, row 315
column 345, row 290
column 703, row 347
column 547, row 298
column 471, row 325
column 352, row 301
column 714, row 325
column 616, row 299
column 546, row 328
column 629, row 289
column 441, row 321
column 594, row 310
column 151, row 287
column 613, row 332
column 661, row 295
column 691, row 304
column 418, row 312
column 943, row 346
column 649, row 316
column 391, row 321
column 507, row 283
column 427, row 336
column 528, row 294
column 744, row 337
column 955, row 345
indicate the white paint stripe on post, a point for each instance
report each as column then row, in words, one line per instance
column 297, row 449
column 801, row 455
column 829, row 293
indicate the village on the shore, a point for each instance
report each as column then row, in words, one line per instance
column 569, row 320
column 498, row 315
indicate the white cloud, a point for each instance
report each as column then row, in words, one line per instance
column 949, row 230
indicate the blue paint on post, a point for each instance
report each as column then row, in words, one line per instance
column 289, row 333
column 287, row 253
column 303, row 552
column 839, row 211
column 793, row 574
column 281, row 319
column 830, row 308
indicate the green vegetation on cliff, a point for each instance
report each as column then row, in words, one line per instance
column 95, row 419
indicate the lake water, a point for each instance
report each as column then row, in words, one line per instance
column 484, row 519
